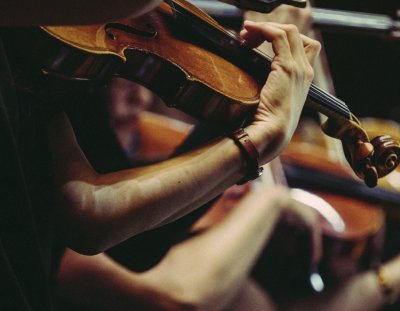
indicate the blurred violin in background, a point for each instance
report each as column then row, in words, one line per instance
column 353, row 220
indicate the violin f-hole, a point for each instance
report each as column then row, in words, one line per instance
column 148, row 32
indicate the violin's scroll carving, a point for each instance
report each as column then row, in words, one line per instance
column 369, row 160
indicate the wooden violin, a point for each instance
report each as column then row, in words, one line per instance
column 197, row 66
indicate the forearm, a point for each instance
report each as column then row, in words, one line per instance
column 207, row 272
column 219, row 260
column 106, row 209
column 102, row 284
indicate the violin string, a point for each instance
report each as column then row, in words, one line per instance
column 327, row 99
column 316, row 91
column 323, row 98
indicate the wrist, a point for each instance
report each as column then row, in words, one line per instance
column 268, row 144
column 249, row 153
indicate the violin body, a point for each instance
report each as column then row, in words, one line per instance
column 152, row 51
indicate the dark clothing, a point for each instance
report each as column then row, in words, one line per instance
column 365, row 71
column 26, row 201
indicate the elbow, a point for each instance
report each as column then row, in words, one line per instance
column 84, row 245
column 180, row 301
column 90, row 218
column 83, row 235
column 80, row 226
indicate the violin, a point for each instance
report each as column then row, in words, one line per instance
column 374, row 212
column 352, row 229
column 199, row 67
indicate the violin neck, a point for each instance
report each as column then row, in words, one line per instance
column 317, row 99
column 326, row 103
column 264, row 6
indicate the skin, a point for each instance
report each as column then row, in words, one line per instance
column 207, row 272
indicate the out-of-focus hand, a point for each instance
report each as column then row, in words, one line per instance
column 390, row 274
column 293, row 213
column 285, row 14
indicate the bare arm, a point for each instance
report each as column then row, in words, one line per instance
column 48, row 12
column 101, row 283
column 105, row 209
column 210, row 272
column 207, row 272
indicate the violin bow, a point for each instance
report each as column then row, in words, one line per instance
column 264, row 6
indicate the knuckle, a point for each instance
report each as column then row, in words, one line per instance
column 292, row 28
column 290, row 67
column 309, row 72
column 281, row 34
column 306, row 13
column 316, row 45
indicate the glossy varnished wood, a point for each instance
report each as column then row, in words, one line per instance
column 182, row 73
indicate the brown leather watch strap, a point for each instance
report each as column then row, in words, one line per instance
column 250, row 155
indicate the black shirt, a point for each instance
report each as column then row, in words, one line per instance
column 26, row 200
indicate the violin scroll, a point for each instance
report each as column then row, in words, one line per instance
column 386, row 156
column 369, row 160
column 383, row 158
